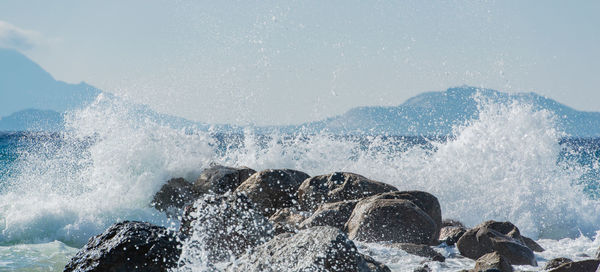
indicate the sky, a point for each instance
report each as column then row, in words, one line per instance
column 288, row 62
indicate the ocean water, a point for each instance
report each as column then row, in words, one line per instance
column 509, row 163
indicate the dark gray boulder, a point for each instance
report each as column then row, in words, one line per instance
column 287, row 220
column 579, row 266
column 273, row 189
column 338, row 186
column 224, row 226
column 174, row 195
column 531, row 244
column 331, row 214
column 390, row 220
column 419, row 250
column 218, row 179
column 492, row 262
column 490, row 236
column 128, row 246
column 556, row 262
column 315, row 249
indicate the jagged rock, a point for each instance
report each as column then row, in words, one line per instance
column 273, row 189
column 579, row 266
column 390, row 220
column 490, row 236
column 426, row 201
column 531, row 244
column 320, row 248
column 174, row 195
column 556, row 262
column 492, row 261
column 128, row 246
column 218, row 179
column 450, row 235
column 224, row 226
column 419, row 250
column 331, row 214
column 287, row 220
column 338, row 186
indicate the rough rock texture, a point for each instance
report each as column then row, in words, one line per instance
column 419, row 250
column 331, row 214
column 316, row 249
column 580, row 266
column 336, row 187
column 450, row 235
column 390, row 220
column 128, row 246
column 273, row 189
column 426, row 201
column 219, row 179
column 490, row 236
column 287, row 220
column 224, row 226
column 556, row 262
column 491, row 261
column 531, row 244
column 174, row 195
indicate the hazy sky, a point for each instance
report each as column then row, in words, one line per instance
column 281, row 62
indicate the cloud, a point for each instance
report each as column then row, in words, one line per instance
column 17, row 38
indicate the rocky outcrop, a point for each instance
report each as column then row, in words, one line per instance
column 331, row 214
column 287, row 220
column 556, row 262
column 491, row 261
column 314, row 249
column 218, row 179
column 174, row 195
column 224, row 226
column 419, row 250
column 128, row 246
column 338, row 186
column 273, row 189
column 490, row 236
column 390, row 220
column 579, row 266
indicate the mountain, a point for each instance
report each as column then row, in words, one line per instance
column 32, row 120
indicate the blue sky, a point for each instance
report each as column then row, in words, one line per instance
column 277, row 62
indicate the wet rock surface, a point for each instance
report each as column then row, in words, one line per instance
column 492, row 262
column 219, row 179
column 128, row 246
column 331, row 214
column 287, row 220
column 556, row 262
column 174, row 195
column 579, row 266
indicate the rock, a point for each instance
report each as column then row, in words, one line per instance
column 490, row 236
column 598, row 254
column 287, row 220
column 320, row 248
column 128, row 246
column 273, row 189
column 426, row 201
column 531, row 244
column 174, row 195
column 452, row 223
column 337, row 187
column 419, row 250
column 224, row 226
column 580, row 266
column 492, row 261
column 424, row 268
column 450, row 235
column 218, row 179
column 390, row 220
column 373, row 265
column 331, row 214
column 556, row 262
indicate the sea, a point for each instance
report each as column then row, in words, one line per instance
column 509, row 163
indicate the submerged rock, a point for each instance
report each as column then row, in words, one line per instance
column 174, row 195
column 224, row 226
column 419, row 250
column 314, row 249
column 218, row 179
column 273, row 189
column 331, row 214
column 390, row 220
column 490, row 236
column 556, row 262
column 579, row 266
column 338, row 186
column 128, row 246
column 492, row 261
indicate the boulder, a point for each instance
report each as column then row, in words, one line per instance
column 218, row 179
column 556, row 262
column 452, row 223
column 287, row 220
column 531, row 244
column 336, row 187
column 320, row 248
column 128, row 246
column 490, row 236
column 492, row 261
column 174, row 195
column 424, row 268
column 419, row 250
column 579, row 266
column 390, row 220
column 331, row 214
column 450, row 235
column 223, row 226
column 273, row 189
column 598, row 253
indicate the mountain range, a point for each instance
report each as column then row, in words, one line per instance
column 31, row 99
